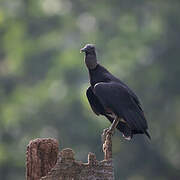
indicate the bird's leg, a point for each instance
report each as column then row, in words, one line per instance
column 111, row 129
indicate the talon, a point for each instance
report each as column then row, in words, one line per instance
column 111, row 132
column 105, row 131
column 103, row 136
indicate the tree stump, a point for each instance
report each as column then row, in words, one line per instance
column 41, row 156
column 44, row 164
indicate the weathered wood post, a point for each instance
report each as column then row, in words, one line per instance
column 41, row 157
column 44, row 162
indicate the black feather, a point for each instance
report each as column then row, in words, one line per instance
column 109, row 93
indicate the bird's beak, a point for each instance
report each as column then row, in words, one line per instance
column 82, row 49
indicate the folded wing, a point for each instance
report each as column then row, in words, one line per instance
column 114, row 96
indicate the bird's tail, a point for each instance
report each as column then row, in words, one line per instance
column 147, row 134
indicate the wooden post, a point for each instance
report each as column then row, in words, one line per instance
column 107, row 147
column 66, row 167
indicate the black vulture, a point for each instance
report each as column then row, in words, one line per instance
column 110, row 97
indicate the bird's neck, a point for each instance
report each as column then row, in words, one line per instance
column 91, row 60
column 98, row 74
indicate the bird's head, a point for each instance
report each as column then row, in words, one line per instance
column 88, row 48
column 90, row 56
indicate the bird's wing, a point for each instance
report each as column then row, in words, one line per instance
column 114, row 96
column 135, row 98
column 94, row 102
column 133, row 95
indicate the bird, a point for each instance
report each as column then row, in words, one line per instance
column 112, row 98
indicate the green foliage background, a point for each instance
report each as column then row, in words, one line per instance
column 43, row 80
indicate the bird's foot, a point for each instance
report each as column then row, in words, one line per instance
column 105, row 133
